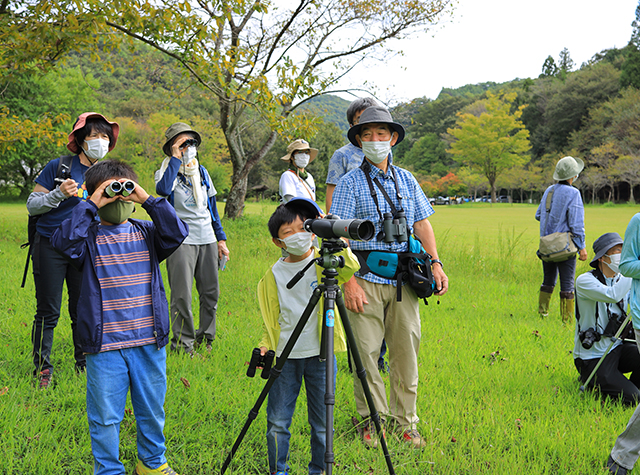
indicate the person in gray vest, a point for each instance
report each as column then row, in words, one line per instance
column 602, row 297
column 188, row 187
column 566, row 215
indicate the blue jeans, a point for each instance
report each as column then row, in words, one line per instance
column 566, row 270
column 282, row 404
column 110, row 375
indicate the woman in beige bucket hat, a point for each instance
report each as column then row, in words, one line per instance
column 296, row 182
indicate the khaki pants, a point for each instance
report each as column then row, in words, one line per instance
column 399, row 324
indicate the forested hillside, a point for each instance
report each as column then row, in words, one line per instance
column 461, row 143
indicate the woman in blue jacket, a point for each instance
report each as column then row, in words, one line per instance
column 188, row 187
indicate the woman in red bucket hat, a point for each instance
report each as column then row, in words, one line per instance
column 59, row 187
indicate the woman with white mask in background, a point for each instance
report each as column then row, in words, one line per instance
column 602, row 297
column 296, row 181
column 59, row 188
column 188, row 187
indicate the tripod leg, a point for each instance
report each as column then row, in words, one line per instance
column 613, row 341
column 275, row 372
column 330, row 391
column 362, row 375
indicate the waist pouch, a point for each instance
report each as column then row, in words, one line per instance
column 412, row 267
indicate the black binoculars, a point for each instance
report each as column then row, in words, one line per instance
column 189, row 143
column 260, row 361
column 117, row 188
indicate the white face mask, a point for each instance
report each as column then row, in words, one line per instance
column 299, row 243
column 189, row 154
column 615, row 262
column 96, row 148
column 301, row 159
column 376, row 151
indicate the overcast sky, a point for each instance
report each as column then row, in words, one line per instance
column 499, row 40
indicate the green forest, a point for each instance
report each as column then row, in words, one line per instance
column 477, row 140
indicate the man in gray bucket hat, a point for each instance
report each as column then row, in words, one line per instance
column 565, row 214
column 374, row 308
column 602, row 296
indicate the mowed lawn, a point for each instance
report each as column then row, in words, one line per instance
column 498, row 389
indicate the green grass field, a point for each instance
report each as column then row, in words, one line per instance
column 498, row 388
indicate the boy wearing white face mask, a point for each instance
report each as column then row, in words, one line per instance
column 281, row 310
column 296, row 181
column 602, row 297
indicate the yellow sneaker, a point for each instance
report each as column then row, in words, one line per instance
column 161, row 470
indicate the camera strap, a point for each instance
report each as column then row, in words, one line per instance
column 597, row 273
column 366, row 168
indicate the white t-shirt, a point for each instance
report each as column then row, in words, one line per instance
column 291, row 184
column 292, row 304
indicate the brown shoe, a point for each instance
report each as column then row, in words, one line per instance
column 45, row 377
column 413, row 436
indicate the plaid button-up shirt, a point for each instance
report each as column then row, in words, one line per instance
column 352, row 200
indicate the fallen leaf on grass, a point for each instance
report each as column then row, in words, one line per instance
column 4, row 391
column 185, row 382
column 453, row 439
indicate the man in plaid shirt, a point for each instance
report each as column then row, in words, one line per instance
column 374, row 311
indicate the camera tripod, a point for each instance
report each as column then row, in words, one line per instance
column 332, row 296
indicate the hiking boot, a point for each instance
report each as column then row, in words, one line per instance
column 369, row 435
column 614, row 468
column 161, row 470
column 45, row 379
column 413, row 436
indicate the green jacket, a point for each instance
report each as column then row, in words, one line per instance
column 270, row 305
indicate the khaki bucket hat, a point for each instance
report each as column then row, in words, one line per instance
column 300, row 144
column 173, row 131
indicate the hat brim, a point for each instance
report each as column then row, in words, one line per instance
column 306, row 206
column 166, row 148
column 313, row 153
column 73, row 147
column 614, row 242
column 355, row 130
column 580, row 166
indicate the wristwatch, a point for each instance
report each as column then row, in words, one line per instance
column 437, row 261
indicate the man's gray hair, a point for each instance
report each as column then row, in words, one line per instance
column 358, row 105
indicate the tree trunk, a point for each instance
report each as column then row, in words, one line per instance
column 242, row 165
column 235, row 201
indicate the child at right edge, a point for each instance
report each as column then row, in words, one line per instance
column 281, row 310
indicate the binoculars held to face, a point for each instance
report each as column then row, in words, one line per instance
column 189, row 143
column 116, row 188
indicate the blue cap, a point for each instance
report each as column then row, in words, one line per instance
column 306, row 206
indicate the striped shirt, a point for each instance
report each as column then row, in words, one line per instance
column 123, row 269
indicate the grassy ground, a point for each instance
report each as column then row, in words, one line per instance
column 498, row 389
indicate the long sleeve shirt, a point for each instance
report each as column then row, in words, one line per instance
column 630, row 266
column 591, row 294
column 566, row 213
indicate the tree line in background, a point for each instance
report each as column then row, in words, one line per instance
column 254, row 63
column 492, row 138
column 483, row 138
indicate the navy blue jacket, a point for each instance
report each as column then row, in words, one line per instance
column 164, row 187
column 75, row 239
